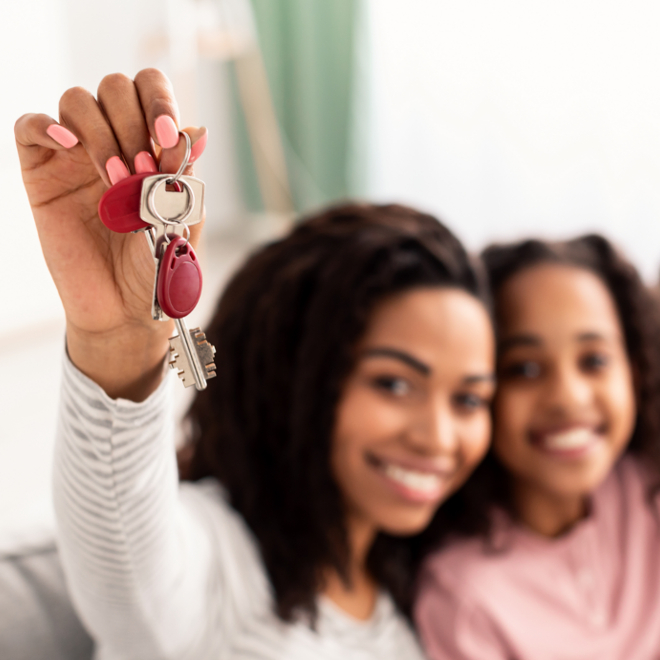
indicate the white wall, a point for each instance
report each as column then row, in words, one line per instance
column 513, row 117
column 505, row 118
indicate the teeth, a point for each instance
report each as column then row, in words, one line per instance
column 420, row 481
column 574, row 439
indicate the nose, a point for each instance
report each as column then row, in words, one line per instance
column 433, row 431
column 567, row 389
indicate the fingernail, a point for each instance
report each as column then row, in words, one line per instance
column 62, row 136
column 116, row 169
column 199, row 146
column 166, row 132
column 144, row 162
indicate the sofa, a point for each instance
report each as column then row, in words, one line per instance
column 37, row 619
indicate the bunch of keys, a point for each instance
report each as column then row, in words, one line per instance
column 163, row 206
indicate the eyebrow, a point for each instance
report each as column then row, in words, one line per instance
column 518, row 340
column 402, row 356
column 535, row 340
column 420, row 366
column 591, row 336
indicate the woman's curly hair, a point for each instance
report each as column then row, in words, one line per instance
column 467, row 512
column 285, row 331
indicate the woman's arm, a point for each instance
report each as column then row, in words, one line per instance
column 137, row 561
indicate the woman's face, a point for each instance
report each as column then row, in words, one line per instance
column 565, row 404
column 413, row 420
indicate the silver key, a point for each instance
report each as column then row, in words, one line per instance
column 157, row 314
column 192, row 356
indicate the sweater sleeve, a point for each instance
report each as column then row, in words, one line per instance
column 137, row 559
column 452, row 626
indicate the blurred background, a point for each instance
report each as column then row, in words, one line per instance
column 503, row 117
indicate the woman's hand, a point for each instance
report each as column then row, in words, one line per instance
column 105, row 280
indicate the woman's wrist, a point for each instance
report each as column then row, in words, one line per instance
column 128, row 363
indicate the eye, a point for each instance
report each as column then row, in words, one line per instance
column 469, row 401
column 525, row 369
column 594, row 361
column 393, row 385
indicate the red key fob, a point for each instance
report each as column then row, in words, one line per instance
column 179, row 283
column 119, row 208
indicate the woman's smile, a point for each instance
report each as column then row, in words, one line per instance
column 414, row 479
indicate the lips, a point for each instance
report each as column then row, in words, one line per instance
column 419, row 481
column 571, row 441
column 416, row 481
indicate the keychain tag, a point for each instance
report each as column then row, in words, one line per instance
column 119, row 208
column 179, row 284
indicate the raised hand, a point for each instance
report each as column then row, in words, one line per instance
column 104, row 279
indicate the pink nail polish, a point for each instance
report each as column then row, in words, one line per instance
column 166, row 132
column 116, row 169
column 144, row 162
column 198, row 148
column 62, row 136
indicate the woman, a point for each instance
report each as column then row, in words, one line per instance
column 355, row 362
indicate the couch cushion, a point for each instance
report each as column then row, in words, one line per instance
column 37, row 620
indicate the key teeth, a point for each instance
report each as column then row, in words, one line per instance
column 175, row 352
column 205, row 353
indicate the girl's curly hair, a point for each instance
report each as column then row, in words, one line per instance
column 285, row 331
column 466, row 513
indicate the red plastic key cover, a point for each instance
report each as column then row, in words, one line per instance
column 119, row 208
column 179, row 279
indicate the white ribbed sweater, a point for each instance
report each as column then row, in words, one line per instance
column 162, row 570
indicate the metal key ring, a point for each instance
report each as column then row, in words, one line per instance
column 185, row 161
column 179, row 219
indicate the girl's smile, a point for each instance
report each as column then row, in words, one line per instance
column 571, row 441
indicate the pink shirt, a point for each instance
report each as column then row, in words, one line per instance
column 592, row 594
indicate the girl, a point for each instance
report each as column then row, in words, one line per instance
column 556, row 537
column 355, row 361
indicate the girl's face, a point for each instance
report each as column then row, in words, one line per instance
column 565, row 404
column 413, row 420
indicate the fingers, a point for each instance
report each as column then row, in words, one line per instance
column 80, row 112
column 120, row 131
column 38, row 134
column 143, row 110
column 118, row 97
column 160, row 107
